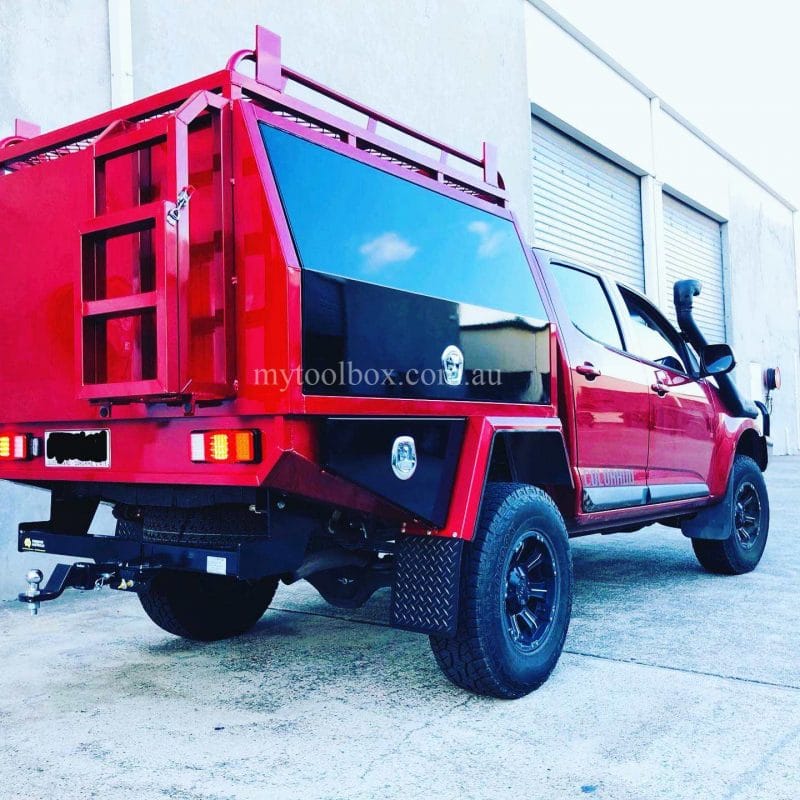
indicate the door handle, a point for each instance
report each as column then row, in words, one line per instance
column 588, row 370
column 659, row 389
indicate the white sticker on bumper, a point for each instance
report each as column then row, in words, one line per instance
column 217, row 565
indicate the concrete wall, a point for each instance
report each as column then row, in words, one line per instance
column 420, row 61
column 763, row 300
column 54, row 61
column 587, row 96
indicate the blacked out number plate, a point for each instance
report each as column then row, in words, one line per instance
column 77, row 448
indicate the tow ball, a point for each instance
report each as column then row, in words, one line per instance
column 34, row 578
column 81, row 575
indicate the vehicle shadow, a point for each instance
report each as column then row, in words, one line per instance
column 303, row 644
column 634, row 559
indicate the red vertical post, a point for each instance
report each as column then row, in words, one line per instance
column 490, row 164
column 268, row 59
column 25, row 130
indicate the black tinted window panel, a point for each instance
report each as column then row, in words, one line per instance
column 370, row 341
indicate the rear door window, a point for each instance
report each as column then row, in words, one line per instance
column 356, row 221
column 654, row 338
column 587, row 304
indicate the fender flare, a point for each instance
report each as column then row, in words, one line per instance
column 729, row 443
column 534, row 448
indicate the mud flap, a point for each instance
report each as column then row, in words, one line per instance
column 714, row 522
column 425, row 593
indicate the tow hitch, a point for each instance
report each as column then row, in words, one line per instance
column 83, row 576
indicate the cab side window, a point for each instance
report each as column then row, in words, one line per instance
column 587, row 304
column 654, row 338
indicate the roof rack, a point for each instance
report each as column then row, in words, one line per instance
column 27, row 147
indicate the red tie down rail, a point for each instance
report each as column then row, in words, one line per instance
column 134, row 317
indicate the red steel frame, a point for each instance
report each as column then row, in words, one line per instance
column 172, row 254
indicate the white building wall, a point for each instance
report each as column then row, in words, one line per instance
column 586, row 97
column 579, row 89
column 763, row 298
column 54, row 62
column 455, row 69
column 690, row 168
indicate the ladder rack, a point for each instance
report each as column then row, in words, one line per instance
column 268, row 87
column 131, row 314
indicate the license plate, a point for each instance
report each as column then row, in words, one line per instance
column 77, row 448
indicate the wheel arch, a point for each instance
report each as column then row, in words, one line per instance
column 734, row 437
column 751, row 444
column 538, row 458
column 535, row 458
column 500, row 450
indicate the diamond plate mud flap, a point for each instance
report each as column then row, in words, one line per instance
column 426, row 588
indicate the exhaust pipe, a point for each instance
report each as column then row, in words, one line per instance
column 683, row 294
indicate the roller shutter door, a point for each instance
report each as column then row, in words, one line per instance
column 693, row 249
column 585, row 207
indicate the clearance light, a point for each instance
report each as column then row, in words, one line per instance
column 224, row 447
column 772, row 378
column 17, row 446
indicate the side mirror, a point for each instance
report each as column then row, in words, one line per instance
column 717, row 359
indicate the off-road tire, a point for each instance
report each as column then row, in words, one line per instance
column 482, row 657
column 202, row 607
column 731, row 556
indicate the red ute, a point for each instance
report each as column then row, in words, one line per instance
column 284, row 346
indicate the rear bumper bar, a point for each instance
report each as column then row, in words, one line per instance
column 248, row 560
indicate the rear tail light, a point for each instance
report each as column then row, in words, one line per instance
column 18, row 446
column 224, row 447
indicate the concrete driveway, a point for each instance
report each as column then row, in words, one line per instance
column 673, row 684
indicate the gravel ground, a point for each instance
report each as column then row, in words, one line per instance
column 673, row 684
